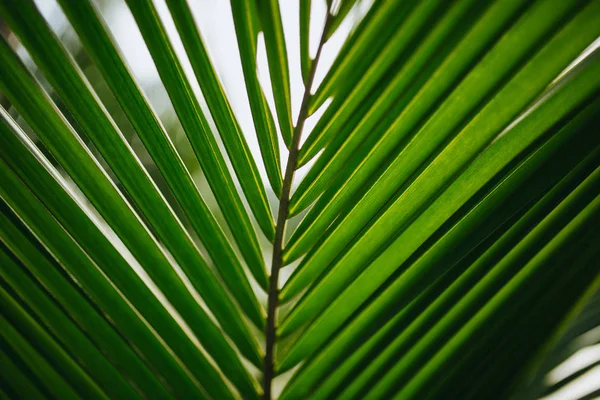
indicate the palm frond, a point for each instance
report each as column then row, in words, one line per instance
column 446, row 236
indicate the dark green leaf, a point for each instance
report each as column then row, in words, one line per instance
column 71, row 338
column 71, row 257
column 50, row 277
column 79, row 380
column 15, row 381
column 40, row 367
column 575, row 230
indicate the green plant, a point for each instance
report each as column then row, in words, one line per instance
column 449, row 219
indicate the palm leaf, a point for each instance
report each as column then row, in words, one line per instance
column 459, row 151
column 447, row 224
column 42, row 369
column 181, row 298
column 196, row 126
column 305, row 60
column 461, row 241
column 164, row 154
column 60, row 244
column 18, row 321
column 61, row 326
column 18, row 247
column 407, row 242
column 271, row 25
column 246, row 28
column 20, row 383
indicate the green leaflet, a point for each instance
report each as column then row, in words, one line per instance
column 560, row 297
column 58, row 136
column 229, row 129
column 340, row 15
column 272, row 28
column 576, row 230
column 305, row 60
column 510, row 324
column 451, row 175
column 421, row 328
column 363, row 117
column 100, row 45
column 415, row 105
column 314, row 371
column 567, row 97
column 23, row 160
column 245, row 19
column 66, row 252
column 20, row 320
column 72, row 339
column 201, row 139
column 42, row 369
column 83, row 313
column 570, row 336
column 452, row 248
column 450, row 141
column 369, row 37
column 398, row 46
column 16, row 382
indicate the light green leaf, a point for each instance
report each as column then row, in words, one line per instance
column 305, row 60
column 369, row 131
column 398, row 47
column 201, row 139
column 564, row 100
column 356, row 127
column 272, row 28
column 340, row 14
column 448, row 127
column 229, row 129
column 380, row 307
column 441, row 236
column 367, row 40
column 245, row 18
